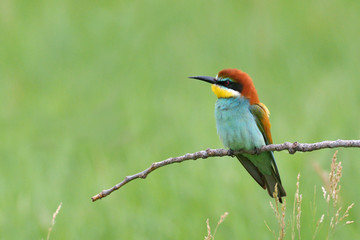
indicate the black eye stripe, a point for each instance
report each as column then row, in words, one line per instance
column 226, row 83
column 232, row 85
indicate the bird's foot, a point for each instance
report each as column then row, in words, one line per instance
column 257, row 151
column 231, row 153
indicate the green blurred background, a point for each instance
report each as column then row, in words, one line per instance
column 93, row 91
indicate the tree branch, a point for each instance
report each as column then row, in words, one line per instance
column 291, row 147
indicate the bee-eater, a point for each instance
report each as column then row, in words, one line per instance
column 242, row 123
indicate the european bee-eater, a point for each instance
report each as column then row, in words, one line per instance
column 242, row 123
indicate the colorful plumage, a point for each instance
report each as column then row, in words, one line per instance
column 242, row 122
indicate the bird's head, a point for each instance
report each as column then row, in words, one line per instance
column 231, row 83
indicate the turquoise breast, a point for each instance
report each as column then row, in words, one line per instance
column 236, row 125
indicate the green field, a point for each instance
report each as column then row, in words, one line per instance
column 93, row 91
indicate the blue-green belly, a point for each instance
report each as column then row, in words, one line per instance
column 236, row 125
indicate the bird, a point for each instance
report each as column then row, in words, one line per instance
column 242, row 123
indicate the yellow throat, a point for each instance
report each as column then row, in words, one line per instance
column 221, row 92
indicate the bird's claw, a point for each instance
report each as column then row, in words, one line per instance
column 231, row 153
column 257, row 151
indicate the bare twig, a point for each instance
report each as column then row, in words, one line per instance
column 291, row 147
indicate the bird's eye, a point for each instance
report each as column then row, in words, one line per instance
column 227, row 83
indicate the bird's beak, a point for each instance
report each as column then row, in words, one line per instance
column 211, row 80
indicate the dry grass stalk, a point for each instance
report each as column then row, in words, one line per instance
column 272, row 231
column 346, row 213
column 221, row 220
column 314, row 207
column 332, row 194
column 53, row 220
column 298, row 198
column 296, row 210
column 334, row 179
column 318, row 225
column 293, row 222
column 283, row 224
column 208, row 237
column 279, row 214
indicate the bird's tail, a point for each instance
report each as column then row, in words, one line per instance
column 266, row 181
column 272, row 181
